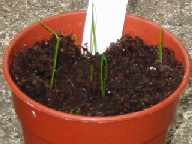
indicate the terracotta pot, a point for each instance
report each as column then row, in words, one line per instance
column 42, row 125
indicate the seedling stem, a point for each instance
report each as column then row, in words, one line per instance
column 103, row 75
column 57, row 45
column 161, row 45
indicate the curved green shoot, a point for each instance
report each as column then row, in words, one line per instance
column 93, row 32
column 161, row 45
column 103, row 74
column 93, row 42
column 57, row 45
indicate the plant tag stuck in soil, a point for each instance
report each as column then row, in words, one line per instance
column 104, row 23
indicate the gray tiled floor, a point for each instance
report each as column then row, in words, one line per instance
column 176, row 15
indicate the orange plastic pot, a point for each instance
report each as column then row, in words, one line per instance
column 42, row 125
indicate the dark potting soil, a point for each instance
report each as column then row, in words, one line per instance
column 136, row 79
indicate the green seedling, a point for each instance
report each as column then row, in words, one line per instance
column 161, row 45
column 103, row 75
column 93, row 32
column 93, row 42
column 57, row 45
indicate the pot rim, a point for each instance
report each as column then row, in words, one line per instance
column 62, row 115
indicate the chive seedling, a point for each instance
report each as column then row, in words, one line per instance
column 161, row 45
column 107, row 29
column 103, row 75
column 93, row 42
column 93, row 31
column 57, row 45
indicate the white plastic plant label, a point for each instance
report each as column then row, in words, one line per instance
column 104, row 23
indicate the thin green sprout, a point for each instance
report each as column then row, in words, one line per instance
column 93, row 42
column 57, row 45
column 103, row 75
column 161, row 45
column 93, row 27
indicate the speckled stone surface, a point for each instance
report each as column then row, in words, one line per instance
column 175, row 15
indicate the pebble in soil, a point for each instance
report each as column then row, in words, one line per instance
column 136, row 80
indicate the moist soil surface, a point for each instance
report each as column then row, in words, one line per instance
column 136, row 80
